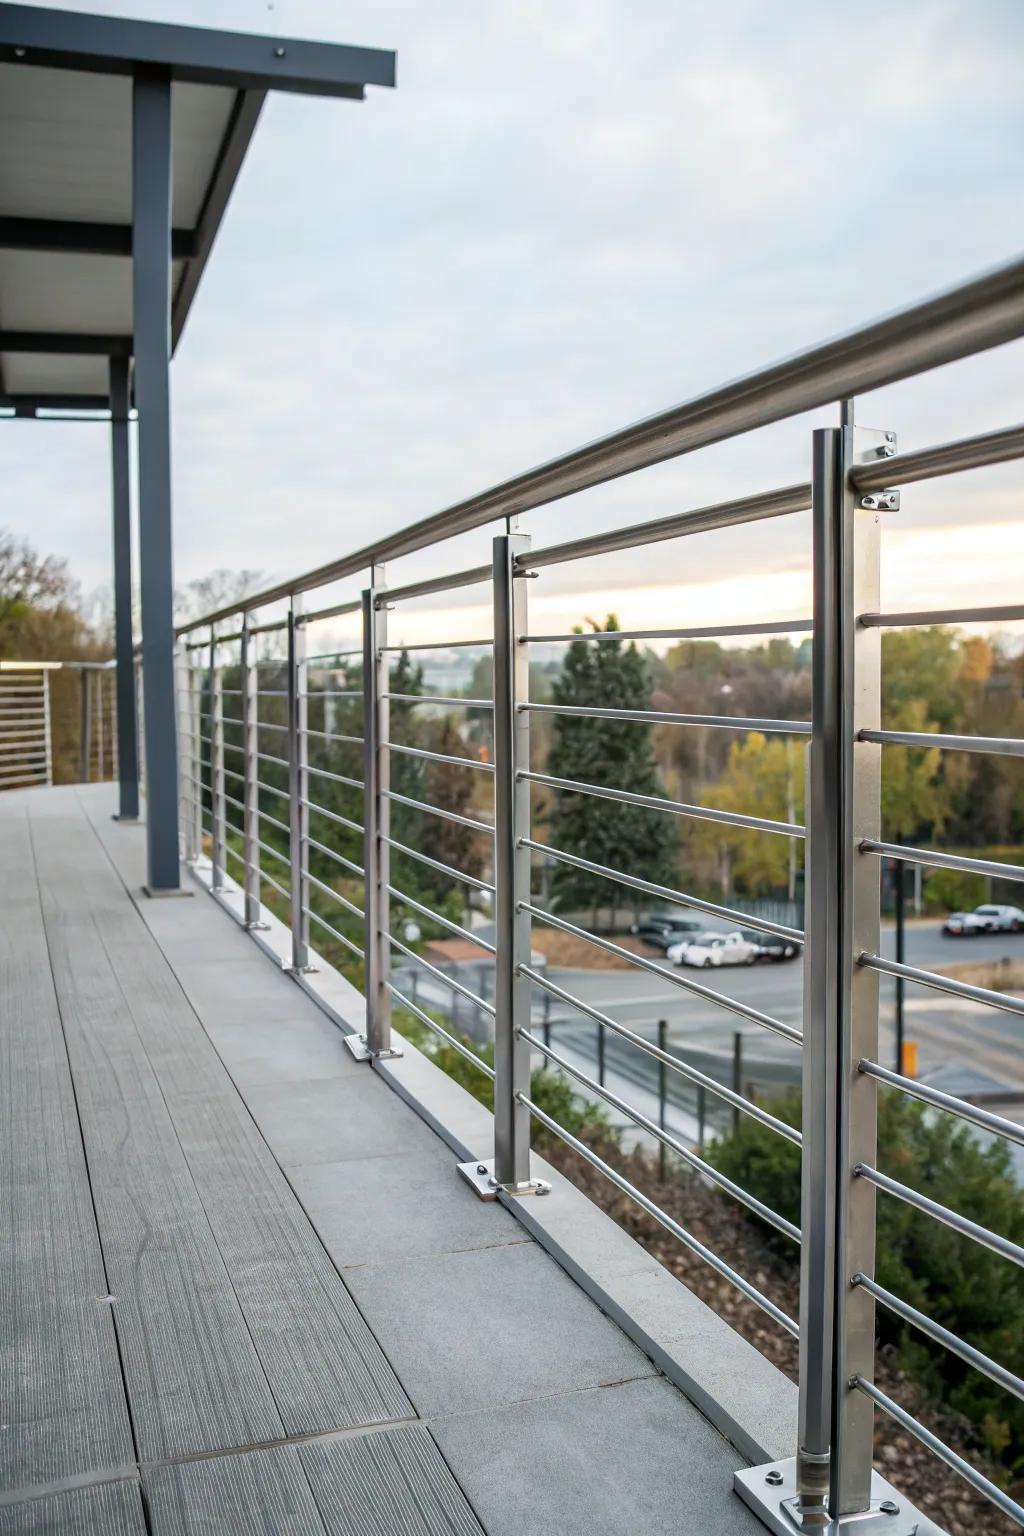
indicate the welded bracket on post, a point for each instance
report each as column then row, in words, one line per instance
column 830, row 1481
column 298, row 788
column 247, row 686
column 511, row 1172
column 376, row 1044
column 218, row 805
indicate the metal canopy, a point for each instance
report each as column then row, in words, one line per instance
column 66, row 176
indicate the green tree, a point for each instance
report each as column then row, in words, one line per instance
column 763, row 778
column 611, row 753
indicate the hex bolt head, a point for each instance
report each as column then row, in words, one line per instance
column 889, row 1507
column 773, row 1478
column 481, row 1167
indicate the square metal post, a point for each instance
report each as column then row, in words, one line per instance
column 127, row 735
column 376, row 1042
column 84, row 726
column 831, row 1478
column 248, row 683
column 511, row 882
column 298, row 786
column 186, row 787
column 195, row 754
column 151, row 296
column 218, row 805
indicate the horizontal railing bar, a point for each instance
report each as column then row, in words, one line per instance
column 984, row 312
column 342, row 821
column 334, row 693
column 234, row 853
column 336, row 655
column 646, row 1203
column 943, row 459
column 270, row 725
column 431, row 584
column 268, row 757
column 230, row 800
column 673, row 807
column 445, row 869
column 952, row 1219
column 666, row 1138
column 271, row 693
column 437, row 810
column 730, row 1004
column 939, row 1448
column 669, row 717
column 339, row 858
column 939, row 860
column 702, row 632
column 274, row 854
column 725, row 514
column 691, row 1074
column 282, row 826
column 233, row 746
column 439, row 757
column 957, row 1346
column 336, row 611
column 441, row 645
column 663, row 892
column 1005, row 746
column 939, row 1100
column 446, row 922
column 439, row 1029
column 333, row 736
column 281, row 890
column 263, row 629
column 439, row 698
column 335, row 778
column 329, row 890
column 441, row 976
column 228, row 693
column 949, row 984
column 941, row 616
column 349, row 943
column 282, row 794
column 230, row 720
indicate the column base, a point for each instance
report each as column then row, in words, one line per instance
column 480, row 1178
column 770, row 1491
column 360, row 1049
column 154, row 892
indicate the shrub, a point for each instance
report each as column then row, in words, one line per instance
column 950, row 1278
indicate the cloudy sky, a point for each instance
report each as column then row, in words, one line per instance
column 566, row 217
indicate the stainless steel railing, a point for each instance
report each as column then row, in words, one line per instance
column 286, row 762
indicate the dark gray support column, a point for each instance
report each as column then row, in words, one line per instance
column 151, row 289
column 127, row 735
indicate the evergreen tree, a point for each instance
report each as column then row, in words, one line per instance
column 408, row 777
column 612, row 753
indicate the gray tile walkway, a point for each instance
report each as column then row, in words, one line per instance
column 270, row 1304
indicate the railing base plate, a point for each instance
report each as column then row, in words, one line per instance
column 770, row 1491
column 361, row 1051
column 480, row 1178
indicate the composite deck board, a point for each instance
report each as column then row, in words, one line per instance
column 64, row 1409
column 161, row 1098
column 260, row 1493
column 109, row 1509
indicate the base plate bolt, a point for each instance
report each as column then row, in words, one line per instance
column 889, row 1507
column 774, row 1478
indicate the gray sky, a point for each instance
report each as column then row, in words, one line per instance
column 566, row 217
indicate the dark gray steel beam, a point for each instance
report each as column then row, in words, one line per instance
column 28, row 405
column 240, row 129
column 115, row 45
column 63, row 343
column 151, row 293
column 121, row 520
column 71, row 237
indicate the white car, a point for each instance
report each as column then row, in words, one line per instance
column 963, row 925
column 713, row 949
column 1000, row 919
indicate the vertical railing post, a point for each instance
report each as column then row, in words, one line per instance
column 84, row 728
column 47, row 726
column 247, row 684
column 195, row 706
column 376, row 1042
column 511, row 879
column 832, row 1474
column 298, row 786
column 218, row 806
column 186, row 750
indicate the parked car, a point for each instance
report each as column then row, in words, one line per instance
column 662, row 929
column 713, row 949
column 963, row 925
column 1000, row 919
column 771, row 946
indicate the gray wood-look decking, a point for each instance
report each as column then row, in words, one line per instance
column 214, row 1316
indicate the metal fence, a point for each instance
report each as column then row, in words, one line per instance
column 58, row 721
column 277, row 758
